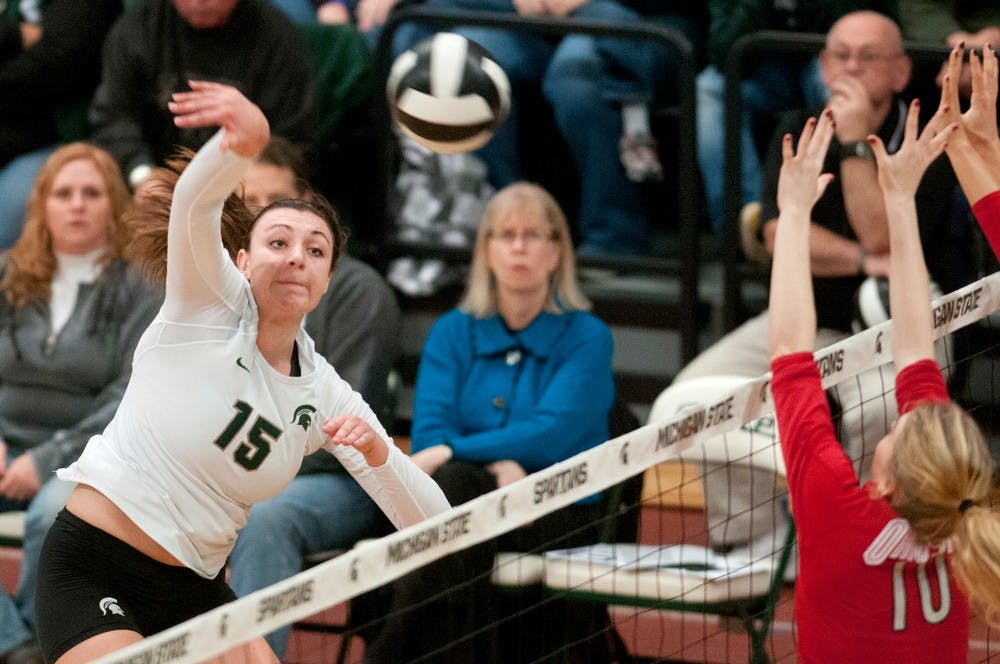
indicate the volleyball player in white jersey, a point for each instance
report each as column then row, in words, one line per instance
column 227, row 395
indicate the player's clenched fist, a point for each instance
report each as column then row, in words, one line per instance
column 354, row 431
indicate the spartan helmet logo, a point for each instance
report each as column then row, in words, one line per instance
column 303, row 416
column 110, row 605
column 763, row 425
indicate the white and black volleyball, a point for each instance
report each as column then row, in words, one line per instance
column 871, row 303
column 447, row 94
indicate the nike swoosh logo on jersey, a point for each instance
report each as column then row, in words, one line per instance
column 239, row 363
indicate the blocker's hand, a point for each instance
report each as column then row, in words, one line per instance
column 245, row 128
column 900, row 173
column 801, row 181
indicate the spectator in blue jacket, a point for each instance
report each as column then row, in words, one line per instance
column 516, row 379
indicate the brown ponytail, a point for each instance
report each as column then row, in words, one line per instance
column 150, row 216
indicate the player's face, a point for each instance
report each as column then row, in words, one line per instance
column 289, row 262
column 522, row 252
column 205, row 14
column 886, row 447
column 265, row 183
column 78, row 208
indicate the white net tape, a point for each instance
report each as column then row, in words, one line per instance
column 375, row 563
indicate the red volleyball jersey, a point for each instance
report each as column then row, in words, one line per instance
column 866, row 591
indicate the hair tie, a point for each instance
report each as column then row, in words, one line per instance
column 964, row 505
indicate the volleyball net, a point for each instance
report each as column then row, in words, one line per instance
column 650, row 574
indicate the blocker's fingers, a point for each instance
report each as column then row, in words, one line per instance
column 878, row 149
column 949, row 85
column 939, row 141
column 820, row 142
column 805, row 137
column 989, row 79
column 912, row 121
column 822, row 182
column 786, row 148
column 976, row 72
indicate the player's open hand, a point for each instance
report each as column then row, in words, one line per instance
column 245, row 128
column 899, row 174
column 353, row 431
column 801, row 181
column 977, row 127
column 980, row 121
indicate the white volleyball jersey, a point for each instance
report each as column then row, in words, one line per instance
column 207, row 427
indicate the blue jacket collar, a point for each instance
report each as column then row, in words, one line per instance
column 492, row 337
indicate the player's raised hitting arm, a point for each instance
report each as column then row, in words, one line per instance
column 899, row 176
column 200, row 273
column 800, row 184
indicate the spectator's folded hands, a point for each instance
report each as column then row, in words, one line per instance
column 506, row 472
column 561, row 7
column 530, row 7
column 431, row 458
column 20, row 480
column 372, row 13
column 852, row 108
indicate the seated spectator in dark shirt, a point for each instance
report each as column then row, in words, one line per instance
column 50, row 63
column 865, row 69
column 157, row 46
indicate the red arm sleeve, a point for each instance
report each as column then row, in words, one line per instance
column 919, row 383
column 987, row 211
column 805, row 427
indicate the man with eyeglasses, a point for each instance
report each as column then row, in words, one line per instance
column 865, row 69
column 770, row 84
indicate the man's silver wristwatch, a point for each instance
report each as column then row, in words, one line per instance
column 856, row 150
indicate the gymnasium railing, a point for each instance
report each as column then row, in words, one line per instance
column 684, row 265
column 739, row 61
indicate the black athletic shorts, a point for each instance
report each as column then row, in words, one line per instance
column 90, row 582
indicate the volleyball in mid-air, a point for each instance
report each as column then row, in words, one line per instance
column 447, row 94
column 871, row 303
